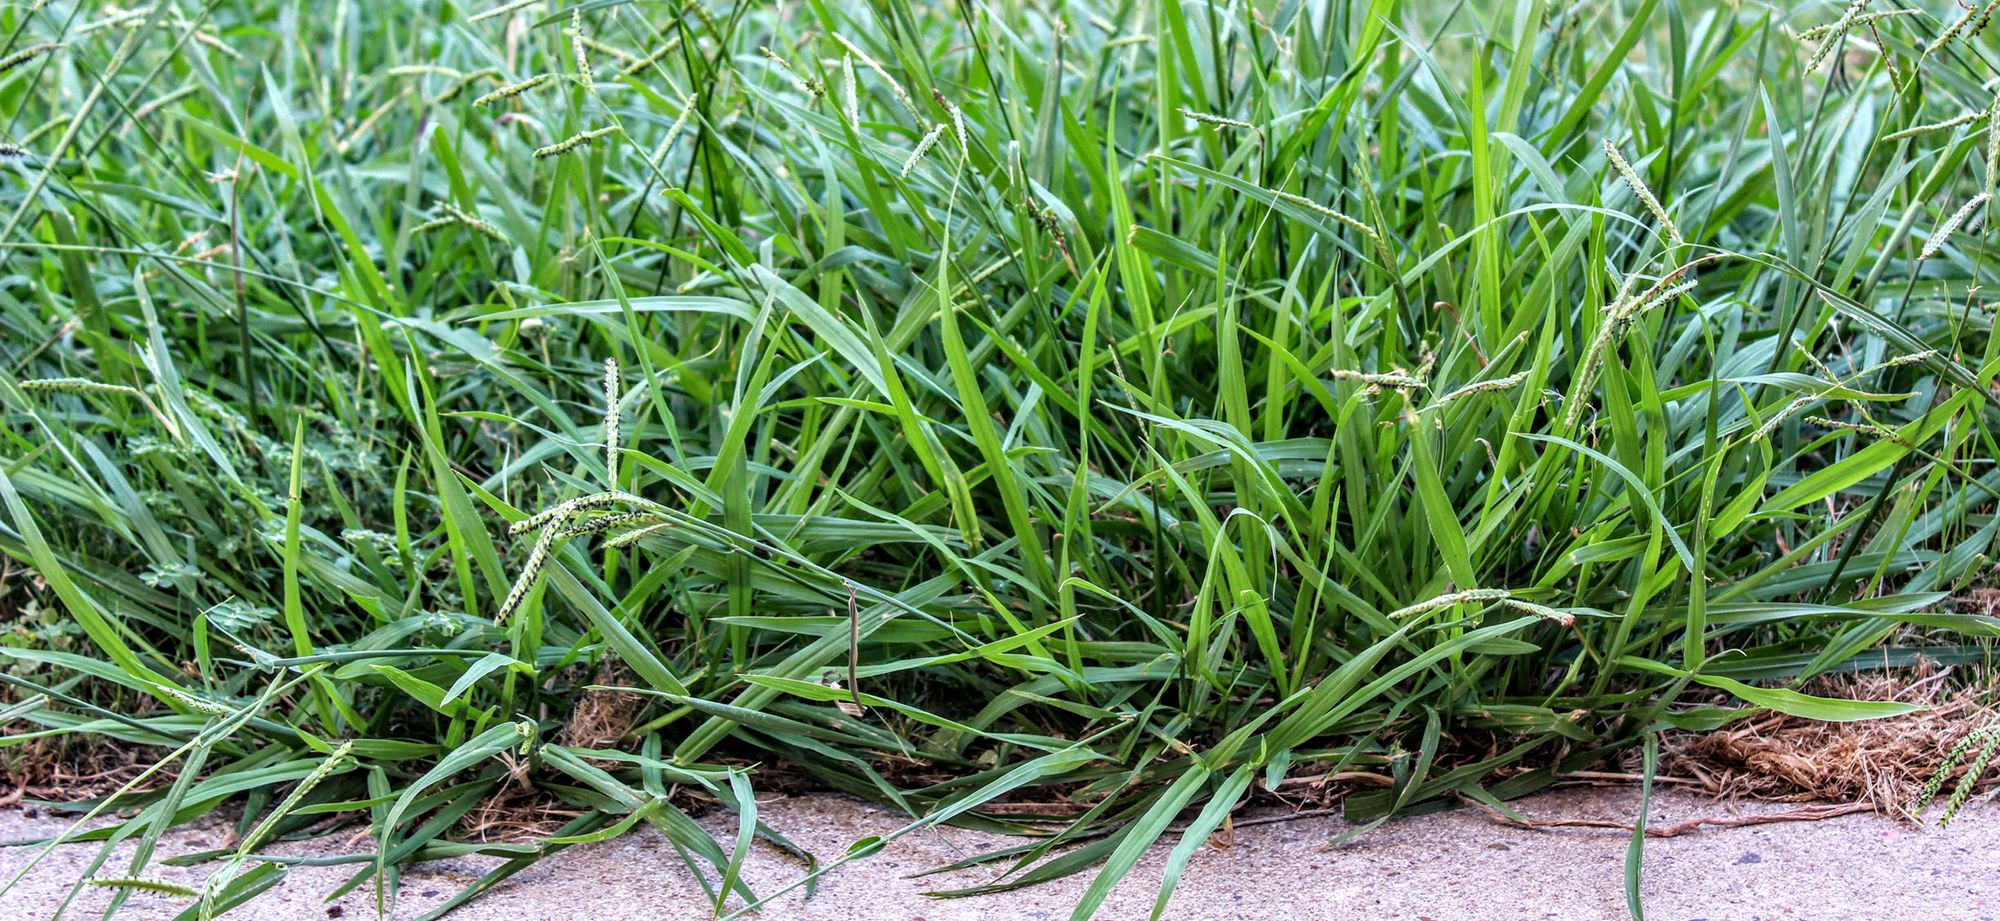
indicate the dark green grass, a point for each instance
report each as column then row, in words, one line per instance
column 1132, row 404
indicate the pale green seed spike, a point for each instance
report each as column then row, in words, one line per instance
column 1218, row 121
column 673, row 132
column 852, row 89
column 80, row 385
column 1974, row 770
column 621, row 55
column 1950, row 32
column 1600, row 346
column 25, row 55
column 603, row 523
column 1639, row 188
column 144, row 884
column 1993, row 144
column 1323, row 211
column 634, row 536
column 499, row 11
column 473, row 222
column 1818, row 32
column 1778, row 418
column 577, row 47
column 1943, row 233
column 552, row 522
column 580, row 139
column 811, row 86
column 1835, row 32
column 512, row 89
column 1946, row 125
column 291, row 801
column 1951, row 759
column 895, row 86
column 659, row 54
column 198, row 704
column 1390, row 381
column 1493, row 386
column 1543, row 611
column 611, row 439
column 1450, row 598
column 923, row 147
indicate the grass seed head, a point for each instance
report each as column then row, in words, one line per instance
column 602, row 523
column 1543, row 611
column 1943, row 233
column 895, row 86
column 1969, row 781
column 579, row 139
column 291, row 801
column 1493, row 386
column 1979, row 25
column 474, row 223
column 1394, row 381
column 1778, row 418
column 531, row 571
column 809, row 85
column 1448, row 599
column 1993, row 145
column 463, row 83
column 146, row 884
column 197, row 704
column 851, row 90
column 512, row 90
column 503, row 10
column 1833, row 33
column 673, row 131
column 923, row 147
column 25, row 55
column 659, row 54
column 1339, row 217
column 79, row 385
column 611, row 394
column 622, row 56
column 1946, row 125
column 1638, row 187
column 1950, row 32
column 453, row 217
column 1219, row 121
column 1816, row 33
column 577, row 48
column 957, row 123
column 634, row 536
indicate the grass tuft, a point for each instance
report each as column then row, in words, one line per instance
column 960, row 405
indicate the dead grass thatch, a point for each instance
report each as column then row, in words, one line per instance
column 61, row 770
column 1884, row 763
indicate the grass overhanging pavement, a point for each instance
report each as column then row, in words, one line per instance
column 1119, row 405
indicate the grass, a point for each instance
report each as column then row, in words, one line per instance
column 1125, row 405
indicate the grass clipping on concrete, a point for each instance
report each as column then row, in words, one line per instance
column 417, row 408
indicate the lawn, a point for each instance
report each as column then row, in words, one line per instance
column 1100, row 410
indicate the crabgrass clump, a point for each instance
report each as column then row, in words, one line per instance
column 1128, row 406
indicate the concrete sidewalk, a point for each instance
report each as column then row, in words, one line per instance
column 1458, row 865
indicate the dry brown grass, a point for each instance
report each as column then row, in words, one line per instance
column 1884, row 763
column 516, row 811
column 600, row 716
column 58, row 770
column 519, row 810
